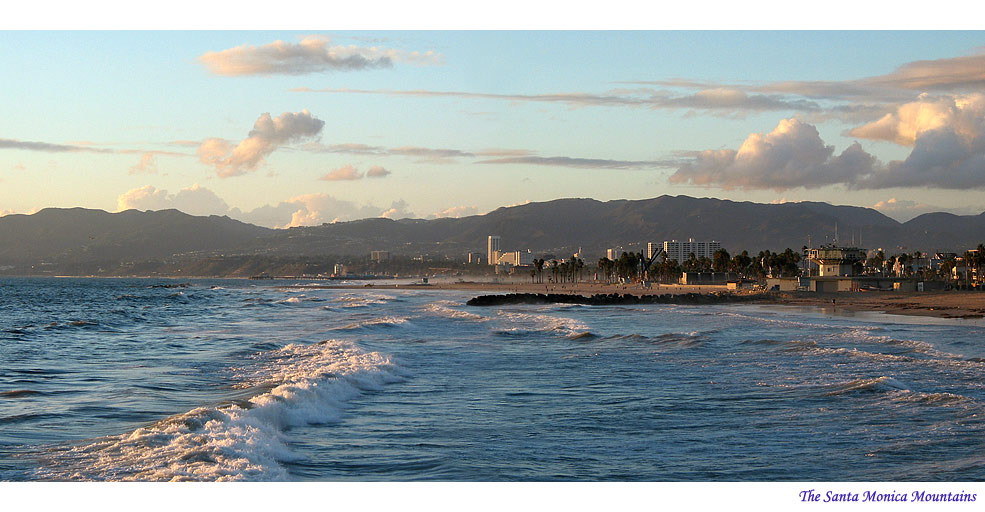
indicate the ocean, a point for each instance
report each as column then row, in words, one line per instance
column 215, row 380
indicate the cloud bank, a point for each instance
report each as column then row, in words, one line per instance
column 302, row 210
column 312, row 54
column 792, row 155
column 266, row 136
column 947, row 136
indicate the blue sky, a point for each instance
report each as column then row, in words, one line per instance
column 462, row 122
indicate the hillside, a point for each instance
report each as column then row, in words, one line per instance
column 78, row 238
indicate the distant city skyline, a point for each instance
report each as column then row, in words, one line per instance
column 288, row 128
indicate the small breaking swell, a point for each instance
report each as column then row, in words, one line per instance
column 383, row 321
column 893, row 390
column 242, row 439
column 441, row 309
column 525, row 324
column 878, row 384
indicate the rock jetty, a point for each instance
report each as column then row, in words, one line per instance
column 611, row 299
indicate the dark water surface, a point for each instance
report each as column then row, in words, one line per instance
column 123, row 379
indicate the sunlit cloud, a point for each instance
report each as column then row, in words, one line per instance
column 344, row 173
column 267, row 135
column 792, row 155
column 313, row 54
column 377, row 171
column 398, row 210
column 455, row 212
column 302, row 210
column 146, row 165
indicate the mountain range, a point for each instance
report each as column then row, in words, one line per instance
column 557, row 227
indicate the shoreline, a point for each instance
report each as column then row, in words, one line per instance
column 938, row 304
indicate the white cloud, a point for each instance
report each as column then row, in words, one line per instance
column 313, row 54
column 146, row 165
column 792, row 155
column 377, row 172
column 398, row 210
column 4, row 213
column 194, row 200
column 904, row 210
column 344, row 173
column 455, row 212
column 962, row 115
column 267, row 135
column 302, row 210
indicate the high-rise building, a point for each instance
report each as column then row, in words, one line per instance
column 379, row 256
column 492, row 250
column 651, row 248
column 680, row 251
column 611, row 254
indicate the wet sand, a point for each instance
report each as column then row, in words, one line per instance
column 943, row 304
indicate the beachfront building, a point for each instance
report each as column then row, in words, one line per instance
column 379, row 256
column 833, row 261
column 339, row 270
column 611, row 254
column 516, row 258
column 492, row 249
column 678, row 250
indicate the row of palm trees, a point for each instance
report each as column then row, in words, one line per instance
column 629, row 266
column 561, row 271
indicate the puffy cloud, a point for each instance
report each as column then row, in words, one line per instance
column 948, row 139
column 312, row 54
column 792, row 155
column 267, row 135
column 398, row 210
column 143, row 198
column 146, row 165
column 303, row 210
column 455, row 212
column 377, row 171
column 344, row 173
column 194, row 200
column 962, row 115
column 316, row 209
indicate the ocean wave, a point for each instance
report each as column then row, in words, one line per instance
column 437, row 308
column 242, row 439
column 383, row 321
column 525, row 324
column 878, row 384
column 363, row 300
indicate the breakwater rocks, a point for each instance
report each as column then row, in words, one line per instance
column 611, row 299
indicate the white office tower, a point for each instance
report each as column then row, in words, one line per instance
column 680, row 251
column 492, row 250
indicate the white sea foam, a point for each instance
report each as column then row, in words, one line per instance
column 441, row 308
column 383, row 321
column 362, row 300
column 297, row 385
column 527, row 323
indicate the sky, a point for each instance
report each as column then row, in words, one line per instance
column 290, row 128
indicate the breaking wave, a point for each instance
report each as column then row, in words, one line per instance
column 241, row 439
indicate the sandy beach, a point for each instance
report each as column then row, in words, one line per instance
column 945, row 304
